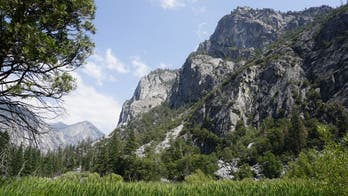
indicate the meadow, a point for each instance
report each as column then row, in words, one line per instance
column 47, row 186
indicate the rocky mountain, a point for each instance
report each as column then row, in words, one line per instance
column 238, row 38
column 283, row 77
column 152, row 91
column 259, row 63
column 245, row 31
column 266, row 87
column 82, row 131
column 56, row 135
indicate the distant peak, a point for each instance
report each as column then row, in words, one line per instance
column 58, row 125
column 243, row 8
column 82, row 123
column 85, row 122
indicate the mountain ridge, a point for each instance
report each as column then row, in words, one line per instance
column 217, row 93
column 212, row 63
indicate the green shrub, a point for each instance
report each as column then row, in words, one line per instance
column 329, row 166
column 198, row 177
column 112, row 178
column 80, row 177
column 244, row 172
column 271, row 166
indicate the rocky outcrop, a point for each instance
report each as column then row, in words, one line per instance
column 281, row 78
column 237, row 39
column 259, row 91
column 198, row 76
column 171, row 135
column 238, row 75
column 152, row 91
column 225, row 170
column 245, row 31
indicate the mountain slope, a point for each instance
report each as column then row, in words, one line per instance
column 284, row 77
column 267, row 89
column 56, row 135
column 239, row 38
column 75, row 133
column 152, row 91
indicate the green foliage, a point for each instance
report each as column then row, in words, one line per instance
column 112, row 178
column 17, row 161
column 198, row 177
column 240, row 130
column 40, row 42
column 244, row 172
column 205, row 139
column 131, row 144
column 271, row 166
column 44, row 186
column 276, row 138
column 77, row 177
column 4, row 140
column 329, row 166
column 303, row 167
column 182, row 159
column 297, row 135
column 152, row 125
column 143, row 169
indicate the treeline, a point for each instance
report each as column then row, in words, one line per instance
column 30, row 161
column 278, row 147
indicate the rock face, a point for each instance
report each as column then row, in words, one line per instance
column 45, row 141
column 152, row 90
column 226, row 170
column 278, row 81
column 257, row 64
column 199, row 75
column 57, row 135
column 244, row 31
column 75, row 133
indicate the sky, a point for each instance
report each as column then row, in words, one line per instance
column 135, row 37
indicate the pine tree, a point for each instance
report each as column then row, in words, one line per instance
column 131, row 144
column 101, row 160
column 4, row 154
column 17, row 161
column 115, row 154
column 297, row 136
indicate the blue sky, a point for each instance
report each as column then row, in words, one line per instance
column 137, row 36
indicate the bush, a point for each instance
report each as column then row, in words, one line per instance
column 271, row 166
column 244, row 172
column 329, row 166
column 112, row 178
column 80, row 177
column 198, row 177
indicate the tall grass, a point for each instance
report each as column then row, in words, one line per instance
column 51, row 187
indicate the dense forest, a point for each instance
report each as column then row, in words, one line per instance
column 282, row 147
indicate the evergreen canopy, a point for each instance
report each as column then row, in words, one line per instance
column 40, row 42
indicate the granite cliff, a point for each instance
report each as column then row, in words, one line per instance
column 259, row 79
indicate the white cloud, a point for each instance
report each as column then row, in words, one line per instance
column 113, row 63
column 170, row 4
column 141, row 68
column 103, row 67
column 86, row 103
column 94, row 71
